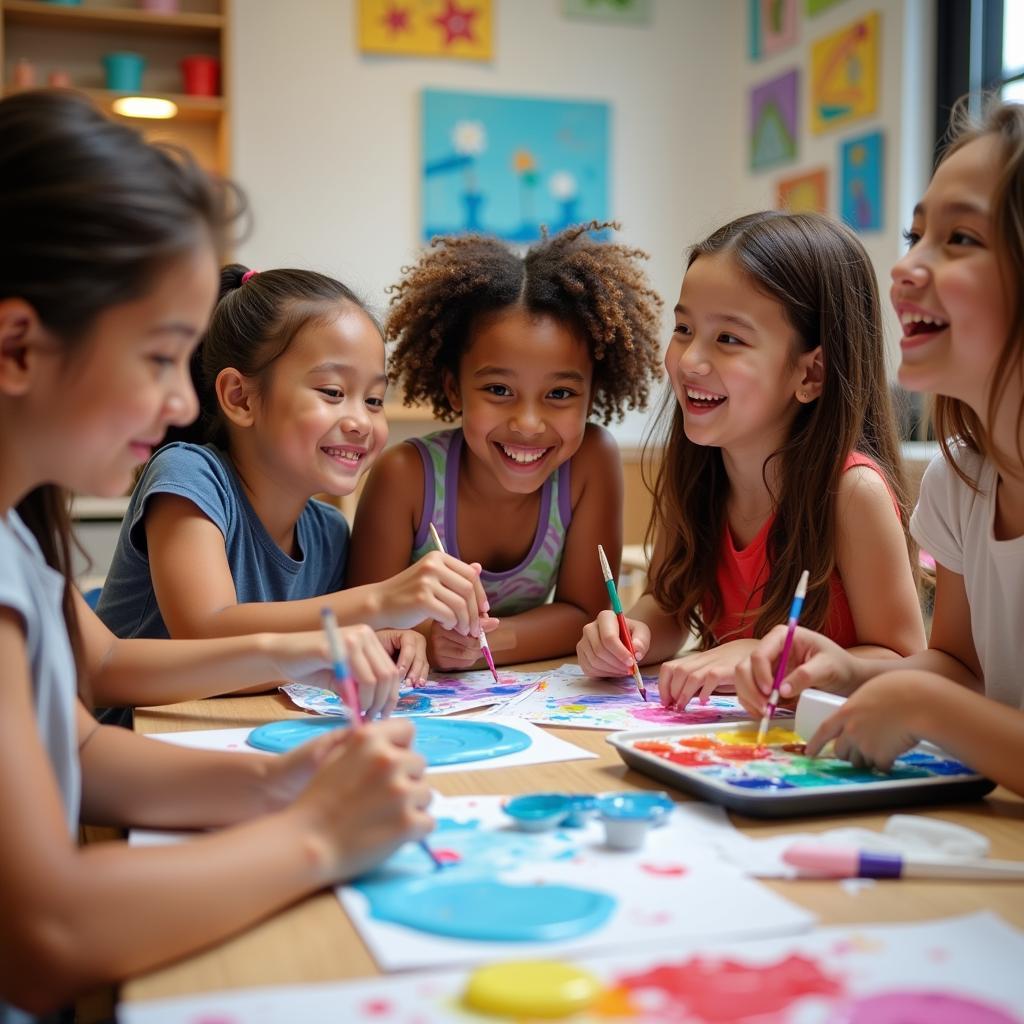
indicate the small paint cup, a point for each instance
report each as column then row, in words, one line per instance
column 627, row 817
column 581, row 810
column 124, row 70
column 813, row 707
column 538, row 812
column 200, row 75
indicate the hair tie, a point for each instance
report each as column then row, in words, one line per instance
column 248, row 274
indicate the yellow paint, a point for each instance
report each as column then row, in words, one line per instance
column 575, row 708
column 531, row 988
column 748, row 737
column 844, row 74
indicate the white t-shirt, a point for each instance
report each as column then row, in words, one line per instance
column 954, row 524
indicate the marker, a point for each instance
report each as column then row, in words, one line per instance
column 343, row 677
column 609, row 582
column 780, row 671
column 826, row 861
column 484, row 645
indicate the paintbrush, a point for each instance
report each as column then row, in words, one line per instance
column 609, row 582
column 484, row 645
column 343, row 677
column 780, row 670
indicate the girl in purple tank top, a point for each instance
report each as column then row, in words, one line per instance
column 522, row 349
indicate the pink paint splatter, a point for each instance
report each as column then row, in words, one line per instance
column 448, row 856
column 664, row 870
column 377, row 1008
column 925, row 1008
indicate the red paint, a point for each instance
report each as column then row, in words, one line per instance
column 654, row 746
column 726, row 991
column 698, row 743
column 741, row 753
column 664, row 870
column 377, row 1008
column 447, row 856
column 689, row 758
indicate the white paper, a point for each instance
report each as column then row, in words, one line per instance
column 961, row 963
column 567, row 698
column 543, row 747
column 675, row 887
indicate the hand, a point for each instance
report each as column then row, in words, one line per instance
column 437, row 587
column 306, row 658
column 409, row 651
column 366, row 797
column 700, row 674
column 601, row 651
column 454, row 652
column 814, row 661
column 873, row 727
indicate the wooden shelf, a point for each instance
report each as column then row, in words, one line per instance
column 111, row 19
column 190, row 108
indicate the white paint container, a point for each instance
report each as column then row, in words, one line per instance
column 813, row 707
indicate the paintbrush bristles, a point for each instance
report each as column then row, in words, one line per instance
column 606, row 569
column 436, row 538
column 334, row 641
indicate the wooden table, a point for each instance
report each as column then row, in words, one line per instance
column 314, row 940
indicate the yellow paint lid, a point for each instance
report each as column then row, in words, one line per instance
column 531, row 988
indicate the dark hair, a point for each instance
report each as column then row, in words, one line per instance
column 256, row 318
column 91, row 214
column 597, row 287
column 954, row 420
column 821, row 276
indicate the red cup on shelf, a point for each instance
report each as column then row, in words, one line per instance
column 201, row 75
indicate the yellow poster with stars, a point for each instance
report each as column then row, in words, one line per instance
column 426, row 28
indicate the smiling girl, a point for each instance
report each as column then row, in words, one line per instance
column 781, row 456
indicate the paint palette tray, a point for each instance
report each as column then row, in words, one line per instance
column 722, row 763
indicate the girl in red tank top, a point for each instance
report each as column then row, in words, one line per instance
column 781, row 455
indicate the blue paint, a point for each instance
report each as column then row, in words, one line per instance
column 440, row 740
column 463, row 905
column 412, row 703
column 756, row 783
column 536, row 812
column 652, row 807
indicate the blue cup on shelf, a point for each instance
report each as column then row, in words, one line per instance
column 124, row 70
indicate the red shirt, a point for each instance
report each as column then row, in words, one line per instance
column 743, row 574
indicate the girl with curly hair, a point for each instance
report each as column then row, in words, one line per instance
column 525, row 350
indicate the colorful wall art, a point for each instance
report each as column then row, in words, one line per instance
column 862, row 161
column 773, row 26
column 591, row 896
column 817, row 6
column 506, row 165
column 960, row 970
column 458, row 29
column 804, row 193
column 844, row 75
column 567, row 697
column 629, row 12
column 773, row 121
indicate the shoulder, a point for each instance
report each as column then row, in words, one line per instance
column 400, row 464
column 181, row 465
column 941, row 476
column 863, row 487
column 597, row 464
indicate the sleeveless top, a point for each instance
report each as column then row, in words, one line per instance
column 742, row 575
column 528, row 584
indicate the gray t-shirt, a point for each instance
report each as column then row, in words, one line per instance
column 260, row 569
column 34, row 591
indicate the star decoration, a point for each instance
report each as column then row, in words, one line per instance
column 457, row 22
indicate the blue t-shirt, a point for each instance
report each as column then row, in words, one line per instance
column 261, row 570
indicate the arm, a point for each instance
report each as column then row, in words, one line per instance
column 896, row 710
column 74, row 918
column 135, row 672
column 872, row 560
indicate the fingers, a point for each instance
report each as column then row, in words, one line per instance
column 828, row 730
column 412, row 657
column 601, row 650
column 372, row 668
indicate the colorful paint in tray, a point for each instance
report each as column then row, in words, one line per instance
column 734, row 758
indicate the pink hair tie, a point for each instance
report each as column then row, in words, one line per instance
column 248, row 274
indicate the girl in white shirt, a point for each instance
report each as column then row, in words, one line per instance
column 957, row 293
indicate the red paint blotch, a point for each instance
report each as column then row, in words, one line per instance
column 664, row 870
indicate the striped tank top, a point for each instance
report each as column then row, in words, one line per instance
column 528, row 584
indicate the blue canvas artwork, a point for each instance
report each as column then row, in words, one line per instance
column 861, row 194
column 506, row 165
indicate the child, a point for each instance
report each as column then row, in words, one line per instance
column 523, row 349
column 957, row 294
column 107, row 276
column 781, row 456
column 291, row 381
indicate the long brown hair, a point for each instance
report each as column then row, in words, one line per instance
column 819, row 273
column 90, row 214
column 954, row 421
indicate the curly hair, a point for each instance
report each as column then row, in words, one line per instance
column 597, row 287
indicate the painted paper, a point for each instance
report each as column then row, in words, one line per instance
column 844, row 75
column 958, row 970
column 773, row 26
column 458, row 29
column 817, row 6
column 671, row 889
column 506, row 165
column 862, row 162
column 631, row 12
column 568, row 698
column 544, row 747
column 443, row 694
column 804, row 193
column 773, row 121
